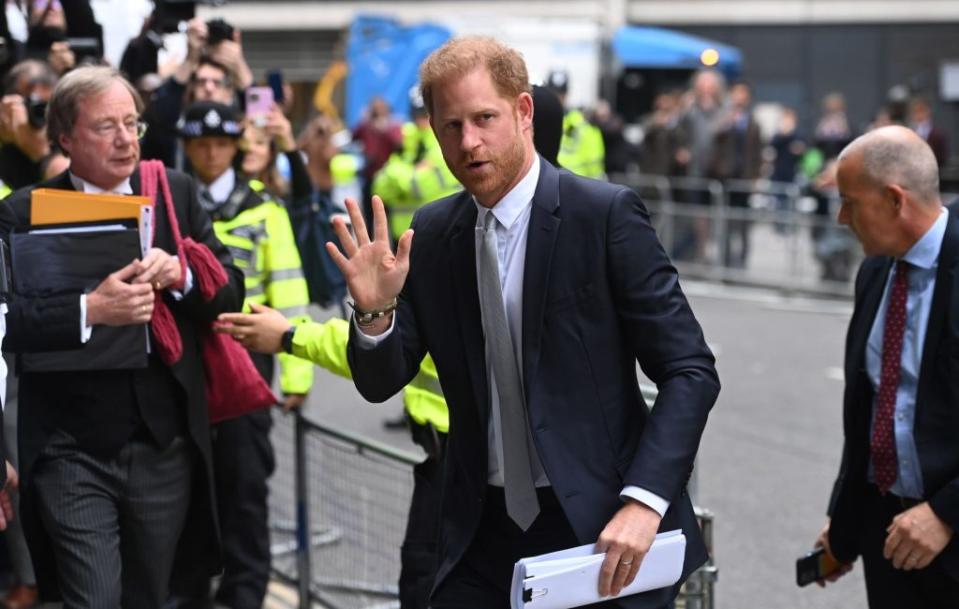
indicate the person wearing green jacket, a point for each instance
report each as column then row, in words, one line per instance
column 415, row 174
column 582, row 150
column 256, row 229
column 268, row 331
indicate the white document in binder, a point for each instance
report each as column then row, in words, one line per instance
column 570, row 578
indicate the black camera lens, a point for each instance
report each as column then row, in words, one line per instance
column 36, row 113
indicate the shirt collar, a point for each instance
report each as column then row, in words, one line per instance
column 512, row 205
column 82, row 185
column 221, row 188
column 925, row 252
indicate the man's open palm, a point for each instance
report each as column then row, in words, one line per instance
column 373, row 273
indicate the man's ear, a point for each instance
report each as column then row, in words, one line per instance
column 524, row 106
column 897, row 195
column 64, row 142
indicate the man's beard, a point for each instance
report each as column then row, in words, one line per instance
column 501, row 170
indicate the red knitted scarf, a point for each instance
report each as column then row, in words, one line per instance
column 208, row 273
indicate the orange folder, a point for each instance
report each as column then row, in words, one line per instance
column 52, row 206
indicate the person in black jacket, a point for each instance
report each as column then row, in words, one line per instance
column 211, row 72
column 117, row 478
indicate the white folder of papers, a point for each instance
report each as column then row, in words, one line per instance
column 570, row 578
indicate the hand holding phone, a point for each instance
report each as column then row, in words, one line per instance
column 259, row 104
column 274, row 79
column 816, row 566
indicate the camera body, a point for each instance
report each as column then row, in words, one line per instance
column 36, row 112
column 218, row 30
column 171, row 13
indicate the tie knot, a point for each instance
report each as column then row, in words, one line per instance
column 902, row 268
column 489, row 221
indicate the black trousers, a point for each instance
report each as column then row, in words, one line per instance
column 243, row 461
column 114, row 523
column 482, row 578
column 891, row 588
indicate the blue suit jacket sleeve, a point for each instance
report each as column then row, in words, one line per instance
column 668, row 343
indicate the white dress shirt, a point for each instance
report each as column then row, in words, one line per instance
column 221, row 188
column 512, row 213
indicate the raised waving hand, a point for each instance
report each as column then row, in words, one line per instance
column 374, row 274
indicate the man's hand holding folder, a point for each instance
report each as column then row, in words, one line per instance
column 126, row 296
column 118, row 301
column 625, row 540
column 159, row 269
column 567, row 578
column 100, row 247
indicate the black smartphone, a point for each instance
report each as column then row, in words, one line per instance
column 815, row 566
column 274, row 78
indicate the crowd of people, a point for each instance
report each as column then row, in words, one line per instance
column 711, row 132
column 481, row 309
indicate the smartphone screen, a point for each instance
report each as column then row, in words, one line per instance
column 815, row 566
column 259, row 103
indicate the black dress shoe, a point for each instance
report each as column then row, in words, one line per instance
column 396, row 423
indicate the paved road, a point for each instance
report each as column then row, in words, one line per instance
column 770, row 452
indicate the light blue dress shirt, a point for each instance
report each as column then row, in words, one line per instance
column 923, row 259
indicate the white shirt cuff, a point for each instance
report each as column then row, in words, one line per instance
column 650, row 500
column 367, row 342
column 85, row 331
column 187, row 286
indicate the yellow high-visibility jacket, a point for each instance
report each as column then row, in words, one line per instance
column 405, row 184
column 257, row 231
column 324, row 344
column 582, row 150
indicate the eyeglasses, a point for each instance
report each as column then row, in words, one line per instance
column 110, row 129
column 219, row 83
column 41, row 5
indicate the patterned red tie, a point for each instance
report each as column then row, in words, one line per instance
column 883, row 436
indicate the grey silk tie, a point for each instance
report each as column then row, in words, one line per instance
column 521, row 502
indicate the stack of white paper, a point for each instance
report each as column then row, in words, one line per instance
column 570, row 578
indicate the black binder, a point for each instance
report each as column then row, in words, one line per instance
column 63, row 262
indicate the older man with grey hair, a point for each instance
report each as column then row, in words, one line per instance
column 896, row 499
column 115, row 463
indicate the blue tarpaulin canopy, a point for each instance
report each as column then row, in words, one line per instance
column 384, row 58
column 654, row 47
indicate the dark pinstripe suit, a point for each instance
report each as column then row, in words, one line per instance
column 93, row 445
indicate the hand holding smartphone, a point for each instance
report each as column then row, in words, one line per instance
column 259, row 104
column 274, row 79
column 815, row 566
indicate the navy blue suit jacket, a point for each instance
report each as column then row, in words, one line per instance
column 599, row 295
column 936, row 427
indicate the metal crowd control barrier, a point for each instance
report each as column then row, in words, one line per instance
column 754, row 232
column 338, row 508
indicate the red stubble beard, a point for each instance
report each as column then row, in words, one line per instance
column 496, row 172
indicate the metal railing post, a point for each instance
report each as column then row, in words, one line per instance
column 719, row 198
column 304, row 572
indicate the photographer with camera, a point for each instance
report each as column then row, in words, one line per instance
column 25, row 156
column 71, row 23
column 214, row 70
